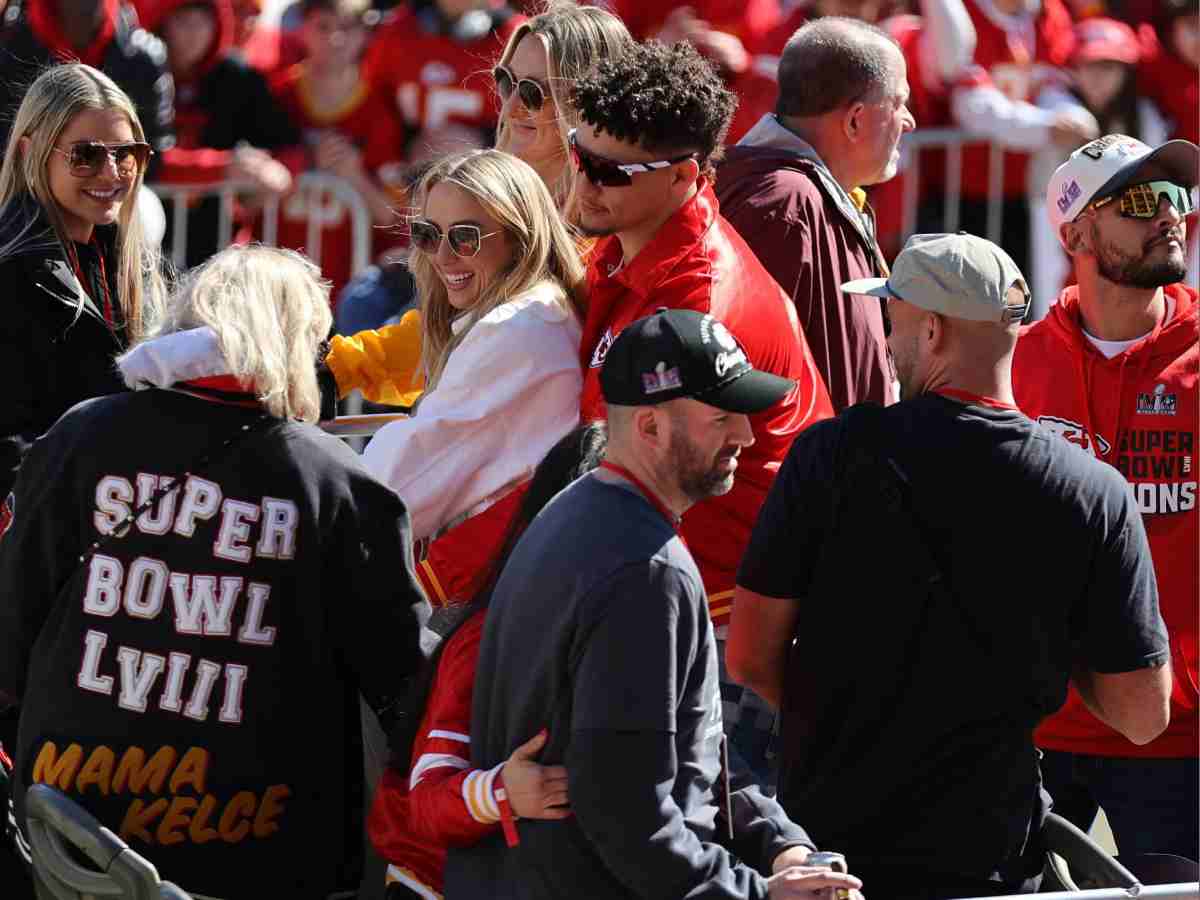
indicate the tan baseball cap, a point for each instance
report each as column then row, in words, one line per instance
column 958, row 275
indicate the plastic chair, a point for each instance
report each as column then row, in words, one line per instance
column 1075, row 862
column 56, row 824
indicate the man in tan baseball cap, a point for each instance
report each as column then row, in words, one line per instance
column 954, row 304
column 903, row 539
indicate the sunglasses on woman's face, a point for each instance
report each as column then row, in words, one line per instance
column 85, row 159
column 606, row 173
column 530, row 93
column 465, row 240
column 1140, row 201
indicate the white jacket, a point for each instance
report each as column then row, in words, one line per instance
column 508, row 393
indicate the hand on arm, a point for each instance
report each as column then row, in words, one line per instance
column 535, row 791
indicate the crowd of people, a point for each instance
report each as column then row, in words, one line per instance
column 728, row 549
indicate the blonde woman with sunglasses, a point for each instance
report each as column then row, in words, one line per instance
column 500, row 287
column 80, row 278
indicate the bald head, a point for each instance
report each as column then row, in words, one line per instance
column 832, row 62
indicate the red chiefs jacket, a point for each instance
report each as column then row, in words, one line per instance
column 441, row 802
column 1138, row 412
column 698, row 261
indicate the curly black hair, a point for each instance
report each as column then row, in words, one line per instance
column 666, row 99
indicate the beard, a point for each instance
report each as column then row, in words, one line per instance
column 698, row 477
column 1138, row 272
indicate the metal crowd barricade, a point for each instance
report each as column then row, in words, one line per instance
column 952, row 141
column 319, row 187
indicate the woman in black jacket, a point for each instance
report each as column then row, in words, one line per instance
column 79, row 279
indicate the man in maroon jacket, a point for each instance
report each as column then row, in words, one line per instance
column 792, row 188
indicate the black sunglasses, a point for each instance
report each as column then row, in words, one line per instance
column 465, row 240
column 85, row 159
column 1140, row 201
column 606, row 173
column 530, row 93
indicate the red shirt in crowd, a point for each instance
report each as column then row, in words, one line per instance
column 370, row 122
column 1017, row 62
column 1138, row 411
column 434, row 79
column 698, row 261
column 441, row 802
column 1171, row 83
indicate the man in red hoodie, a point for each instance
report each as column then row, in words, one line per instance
column 1114, row 369
column 652, row 126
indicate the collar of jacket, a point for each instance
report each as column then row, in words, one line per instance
column 770, row 133
column 26, row 234
column 675, row 239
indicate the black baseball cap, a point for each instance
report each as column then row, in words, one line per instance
column 682, row 353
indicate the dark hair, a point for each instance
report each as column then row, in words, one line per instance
column 573, row 456
column 665, row 99
column 830, row 63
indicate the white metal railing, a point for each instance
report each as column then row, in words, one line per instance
column 319, row 188
column 952, row 140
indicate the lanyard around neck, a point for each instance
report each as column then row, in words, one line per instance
column 650, row 496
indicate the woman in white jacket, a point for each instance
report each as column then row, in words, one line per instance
column 501, row 292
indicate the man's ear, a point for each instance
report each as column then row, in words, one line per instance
column 1076, row 237
column 683, row 176
column 852, row 121
column 933, row 330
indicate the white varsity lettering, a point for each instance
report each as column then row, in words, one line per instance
column 157, row 519
column 145, row 587
column 201, row 500
column 139, row 671
column 102, row 597
column 236, row 517
column 113, row 496
column 89, row 677
column 1172, row 497
column 196, row 609
column 280, row 518
column 206, row 674
column 172, row 695
column 252, row 631
column 235, row 684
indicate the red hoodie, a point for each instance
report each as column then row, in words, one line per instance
column 44, row 23
column 1140, row 409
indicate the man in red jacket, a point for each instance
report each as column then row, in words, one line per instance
column 1114, row 369
column 653, row 122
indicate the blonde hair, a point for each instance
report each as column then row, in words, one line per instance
column 515, row 196
column 269, row 308
column 575, row 38
column 51, row 103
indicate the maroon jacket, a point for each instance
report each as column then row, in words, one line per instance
column 776, row 192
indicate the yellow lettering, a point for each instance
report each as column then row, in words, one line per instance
column 97, row 770
column 138, row 816
column 192, row 770
column 271, row 807
column 135, row 772
column 242, row 805
column 199, row 831
column 50, row 768
column 170, row 828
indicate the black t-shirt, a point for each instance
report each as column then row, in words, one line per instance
column 194, row 683
column 927, row 653
column 598, row 631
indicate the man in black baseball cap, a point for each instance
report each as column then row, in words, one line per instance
column 598, row 630
column 679, row 387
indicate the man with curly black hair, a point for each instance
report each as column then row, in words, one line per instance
column 652, row 124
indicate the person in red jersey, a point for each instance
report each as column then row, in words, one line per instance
column 430, row 797
column 1169, row 72
column 653, row 120
column 1114, row 369
column 352, row 130
column 433, row 58
column 1018, row 48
